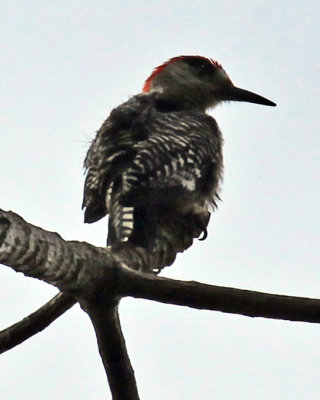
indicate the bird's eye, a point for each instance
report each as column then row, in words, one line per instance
column 200, row 66
column 205, row 69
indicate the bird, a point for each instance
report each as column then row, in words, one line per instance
column 155, row 166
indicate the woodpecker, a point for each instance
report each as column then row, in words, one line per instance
column 155, row 164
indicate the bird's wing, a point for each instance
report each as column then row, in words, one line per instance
column 172, row 166
column 168, row 184
column 110, row 152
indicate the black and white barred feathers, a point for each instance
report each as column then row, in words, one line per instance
column 156, row 162
column 155, row 171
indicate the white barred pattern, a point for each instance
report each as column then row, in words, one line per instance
column 145, row 156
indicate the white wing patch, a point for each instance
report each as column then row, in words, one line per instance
column 188, row 184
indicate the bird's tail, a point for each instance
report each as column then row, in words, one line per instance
column 121, row 220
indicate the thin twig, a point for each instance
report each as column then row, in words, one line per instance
column 35, row 322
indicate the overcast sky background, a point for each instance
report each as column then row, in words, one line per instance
column 64, row 66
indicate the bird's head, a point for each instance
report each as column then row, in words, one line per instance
column 198, row 82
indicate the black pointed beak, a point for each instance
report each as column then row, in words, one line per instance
column 232, row 93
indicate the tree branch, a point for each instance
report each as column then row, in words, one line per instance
column 98, row 278
column 218, row 298
column 35, row 322
column 45, row 255
column 105, row 319
column 65, row 264
column 83, row 270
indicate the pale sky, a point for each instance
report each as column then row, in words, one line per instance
column 64, row 66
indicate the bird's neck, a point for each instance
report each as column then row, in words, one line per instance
column 180, row 101
column 185, row 97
